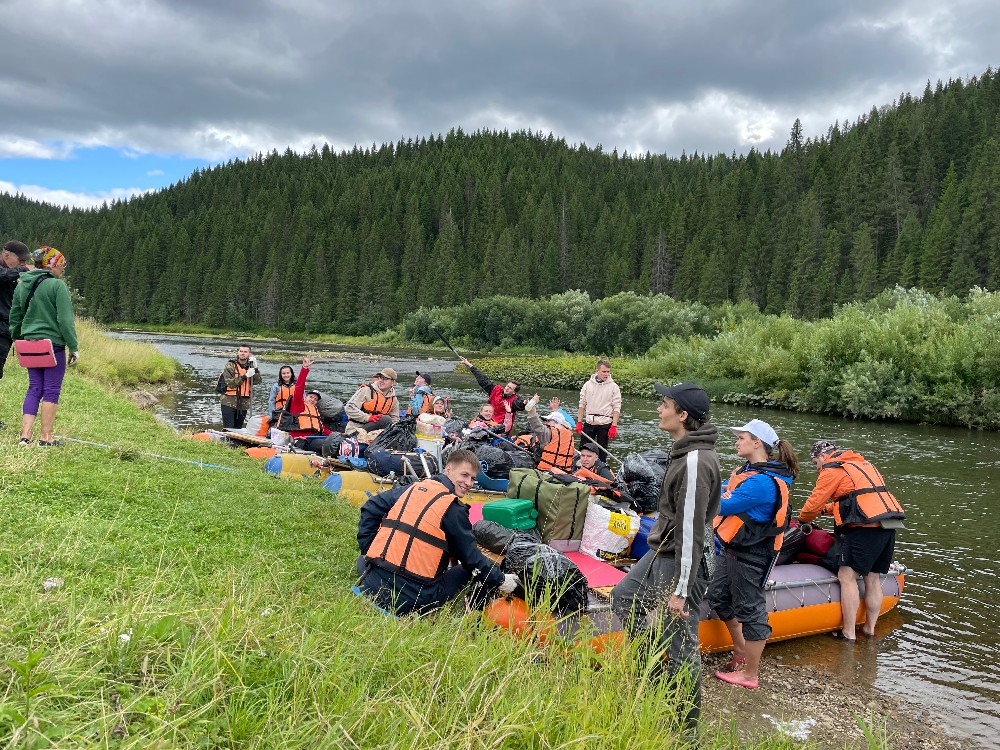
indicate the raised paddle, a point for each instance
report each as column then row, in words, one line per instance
column 446, row 342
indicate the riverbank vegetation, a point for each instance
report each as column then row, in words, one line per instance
column 149, row 603
column 118, row 363
column 904, row 355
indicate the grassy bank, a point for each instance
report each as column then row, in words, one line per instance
column 208, row 608
column 117, row 363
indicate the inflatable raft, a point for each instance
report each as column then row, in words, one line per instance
column 801, row 600
column 356, row 486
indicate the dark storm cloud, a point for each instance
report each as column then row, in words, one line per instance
column 233, row 77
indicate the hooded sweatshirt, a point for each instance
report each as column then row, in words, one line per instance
column 689, row 499
column 50, row 312
column 600, row 400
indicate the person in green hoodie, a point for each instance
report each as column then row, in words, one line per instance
column 662, row 594
column 42, row 309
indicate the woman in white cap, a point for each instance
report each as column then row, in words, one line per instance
column 751, row 523
column 555, row 437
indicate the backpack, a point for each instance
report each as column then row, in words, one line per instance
column 220, row 384
column 561, row 504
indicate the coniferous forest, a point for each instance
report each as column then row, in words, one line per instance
column 351, row 242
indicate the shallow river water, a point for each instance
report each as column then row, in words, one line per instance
column 937, row 650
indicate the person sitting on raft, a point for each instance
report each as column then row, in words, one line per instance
column 555, row 437
column 504, row 399
column 440, row 408
column 421, row 395
column 301, row 418
column 752, row 520
column 408, row 534
column 592, row 465
column 556, row 405
column 374, row 406
column 281, row 391
column 484, row 419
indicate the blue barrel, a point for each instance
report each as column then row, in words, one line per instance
column 639, row 545
column 273, row 465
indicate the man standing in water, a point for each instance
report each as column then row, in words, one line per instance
column 600, row 406
column 240, row 374
column 661, row 595
column 866, row 516
column 12, row 263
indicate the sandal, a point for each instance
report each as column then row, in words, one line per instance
column 49, row 444
column 839, row 636
column 24, row 442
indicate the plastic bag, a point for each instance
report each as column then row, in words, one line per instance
column 791, row 545
column 454, row 427
column 401, row 436
column 331, row 445
column 495, row 462
column 608, row 532
column 641, row 477
column 492, row 536
column 547, row 575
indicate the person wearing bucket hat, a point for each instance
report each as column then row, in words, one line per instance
column 668, row 583
column 554, row 435
column 753, row 517
column 374, row 405
column 421, row 395
column 43, row 310
column 866, row 516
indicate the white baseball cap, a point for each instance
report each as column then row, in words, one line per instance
column 760, row 430
column 557, row 417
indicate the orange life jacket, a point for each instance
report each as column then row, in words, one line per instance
column 243, row 390
column 741, row 529
column 284, row 394
column 411, row 540
column 559, row 452
column 379, row 403
column 870, row 501
column 596, row 481
column 427, row 407
column 305, row 421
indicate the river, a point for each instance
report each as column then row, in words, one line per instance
column 936, row 650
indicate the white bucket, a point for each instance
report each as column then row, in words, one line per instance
column 432, row 447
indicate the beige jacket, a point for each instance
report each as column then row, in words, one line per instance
column 599, row 401
column 358, row 417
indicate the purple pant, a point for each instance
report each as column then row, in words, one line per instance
column 44, row 384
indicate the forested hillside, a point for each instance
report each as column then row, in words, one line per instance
column 351, row 242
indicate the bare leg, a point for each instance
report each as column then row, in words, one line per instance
column 48, row 420
column 753, row 651
column 739, row 645
column 850, row 600
column 873, row 602
column 27, row 425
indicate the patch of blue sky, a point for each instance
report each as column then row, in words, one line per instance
column 100, row 169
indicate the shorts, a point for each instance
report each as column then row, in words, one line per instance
column 736, row 594
column 867, row 549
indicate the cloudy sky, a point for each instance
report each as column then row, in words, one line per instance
column 106, row 98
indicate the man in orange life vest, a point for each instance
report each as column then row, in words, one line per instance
column 407, row 535
column 374, row 406
column 239, row 375
column 866, row 516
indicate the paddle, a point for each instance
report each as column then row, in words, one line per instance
column 601, row 448
column 446, row 342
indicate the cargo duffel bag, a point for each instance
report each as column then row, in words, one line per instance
column 383, row 463
column 561, row 504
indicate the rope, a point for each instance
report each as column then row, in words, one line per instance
column 144, row 453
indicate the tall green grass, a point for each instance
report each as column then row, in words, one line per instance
column 209, row 608
column 120, row 363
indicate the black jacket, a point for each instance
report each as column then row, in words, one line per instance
column 8, row 282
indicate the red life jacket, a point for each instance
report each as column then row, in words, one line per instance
column 411, row 540
column 870, row 501
column 559, row 452
column 499, row 403
column 742, row 530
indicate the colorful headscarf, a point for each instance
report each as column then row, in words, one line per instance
column 48, row 257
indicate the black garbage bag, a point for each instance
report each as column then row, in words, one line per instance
column 641, row 477
column 547, row 575
column 519, row 457
column 791, row 545
column 453, row 427
column 496, row 537
column 496, row 463
column 401, row 436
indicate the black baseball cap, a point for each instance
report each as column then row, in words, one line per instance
column 690, row 397
column 425, row 375
column 19, row 249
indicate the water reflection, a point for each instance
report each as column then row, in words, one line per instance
column 937, row 649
